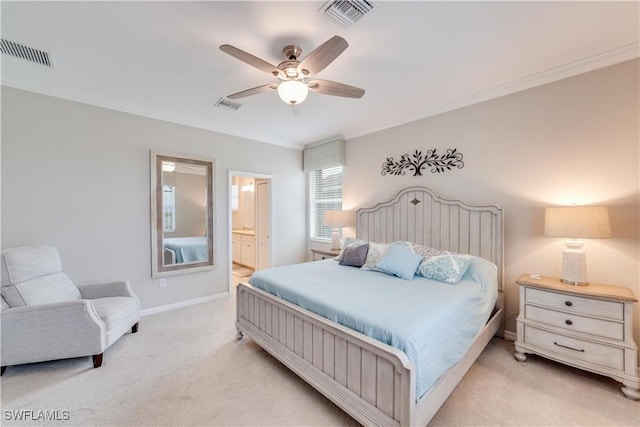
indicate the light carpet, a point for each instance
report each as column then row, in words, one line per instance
column 186, row 368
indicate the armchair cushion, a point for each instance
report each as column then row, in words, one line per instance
column 33, row 276
column 120, row 288
column 115, row 303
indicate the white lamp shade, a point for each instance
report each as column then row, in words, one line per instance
column 293, row 92
column 337, row 218
column 587, row 222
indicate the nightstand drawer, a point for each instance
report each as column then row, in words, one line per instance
column 575, row 304
column 600, row 354
column 574, row 322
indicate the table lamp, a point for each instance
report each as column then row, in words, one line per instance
column 587, row 222
column 337, row 220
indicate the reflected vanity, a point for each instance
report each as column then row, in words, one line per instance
column 182, row 220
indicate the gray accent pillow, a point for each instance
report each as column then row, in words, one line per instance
column 355, row 256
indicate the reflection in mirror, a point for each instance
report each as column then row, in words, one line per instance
column 181, row 214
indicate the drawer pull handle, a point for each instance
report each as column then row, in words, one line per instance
column 570, row 348
column 568, row 322
column 568, row 303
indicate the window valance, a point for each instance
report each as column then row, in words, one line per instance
column 323, row 156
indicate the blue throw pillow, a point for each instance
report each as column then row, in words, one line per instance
column 400, row 262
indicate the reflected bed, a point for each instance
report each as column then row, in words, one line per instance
column 187, row 249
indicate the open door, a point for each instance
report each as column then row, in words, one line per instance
column 250, row 224
column 263, row 223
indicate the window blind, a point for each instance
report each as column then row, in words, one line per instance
column 169, row 208
column 325, row 195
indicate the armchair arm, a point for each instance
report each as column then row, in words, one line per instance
column 51, row 331
column 119, row 288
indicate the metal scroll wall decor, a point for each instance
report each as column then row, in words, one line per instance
column 417, row 162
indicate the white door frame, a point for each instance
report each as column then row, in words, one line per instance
column 230, row 176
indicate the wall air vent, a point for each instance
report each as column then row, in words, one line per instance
column 25, row 52
column 347, row 12
column 225, row 103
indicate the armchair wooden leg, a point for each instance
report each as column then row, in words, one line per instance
column 134, row 328
column 97, row 360
column 2, row 369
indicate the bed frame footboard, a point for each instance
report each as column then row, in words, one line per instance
column 371, row 381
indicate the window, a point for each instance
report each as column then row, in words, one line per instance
column 325, row 194
column 169, row 208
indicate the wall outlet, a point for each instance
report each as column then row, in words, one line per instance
column 163, row 283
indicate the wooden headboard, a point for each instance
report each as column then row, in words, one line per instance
column 419, row 215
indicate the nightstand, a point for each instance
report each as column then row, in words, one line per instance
column 319, row 254
column 588, row 327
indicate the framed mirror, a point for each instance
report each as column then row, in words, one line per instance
column 182, row 214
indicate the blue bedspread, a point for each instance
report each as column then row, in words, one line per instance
column 188, row 249
column 432, row 322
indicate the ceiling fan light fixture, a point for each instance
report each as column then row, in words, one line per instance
column 293, row 92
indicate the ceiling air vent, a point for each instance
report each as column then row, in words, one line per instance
column 347, row 12
column 225, row 103
column 25, row 52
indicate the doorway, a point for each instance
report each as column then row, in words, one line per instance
column 250, row 224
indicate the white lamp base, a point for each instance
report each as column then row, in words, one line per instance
column 335, row 239
column 574, row 263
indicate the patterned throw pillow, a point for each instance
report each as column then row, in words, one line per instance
column 426, row 251
column 406, row 245
column 355, row 256
column 448, row 267
column 349, row 242
column 444, row 266
column 375, row 254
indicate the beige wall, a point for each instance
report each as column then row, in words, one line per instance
column 77, row 177
column 573, row 141
column 191, row 211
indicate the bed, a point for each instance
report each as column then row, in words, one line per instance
column 377, row 383
column 186, row 249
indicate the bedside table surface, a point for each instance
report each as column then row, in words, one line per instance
column 595, row 290
column 330, row 252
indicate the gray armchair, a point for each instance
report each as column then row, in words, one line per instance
column 46, row 317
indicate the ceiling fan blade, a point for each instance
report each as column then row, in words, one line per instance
column 328, row 87
column 254, row 61
column 253, row 91
column 322, row 56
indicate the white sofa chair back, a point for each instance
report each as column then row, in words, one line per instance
column 33, row 276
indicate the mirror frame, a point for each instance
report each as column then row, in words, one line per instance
column 158, row 269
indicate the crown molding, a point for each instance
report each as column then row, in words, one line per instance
column 612, row 57
column 117, row 105
column 596, row 62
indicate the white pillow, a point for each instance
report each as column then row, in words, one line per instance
column 375, row 254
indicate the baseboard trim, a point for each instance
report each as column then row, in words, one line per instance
column 181, row 304
column 510, row 336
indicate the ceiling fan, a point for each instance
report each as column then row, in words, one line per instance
column 294, row 75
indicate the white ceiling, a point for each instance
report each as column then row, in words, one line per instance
column 415, row 59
